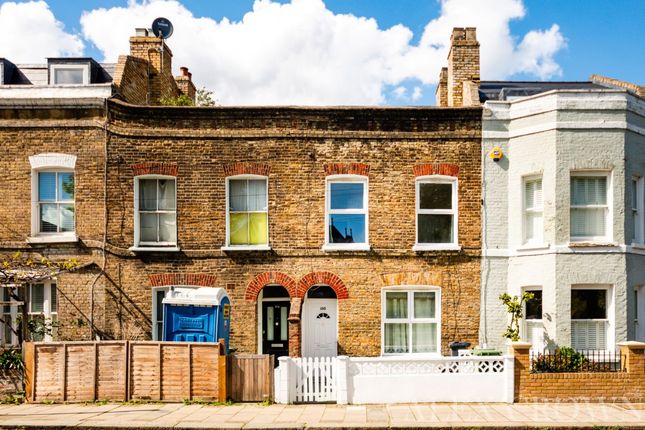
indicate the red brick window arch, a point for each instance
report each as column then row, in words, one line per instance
column 270, row 278
column 323, row 278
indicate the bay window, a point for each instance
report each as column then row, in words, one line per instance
column 533, row 210
column 155, row 212
column 589, row 207
column 346, row 219
column 436, row 207
column 247, row 212
column 411, row 321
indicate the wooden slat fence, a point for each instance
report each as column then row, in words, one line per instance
column 124, row 370
column 250, row 377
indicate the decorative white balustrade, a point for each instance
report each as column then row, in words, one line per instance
column 361, row 380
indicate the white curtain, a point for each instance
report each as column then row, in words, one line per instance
column 396, row 334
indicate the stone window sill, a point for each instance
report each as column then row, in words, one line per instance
column 533, row 247
column 347, row 247
column 246, row 248
column 154, row 249
column 54, row 238
column 437, row 247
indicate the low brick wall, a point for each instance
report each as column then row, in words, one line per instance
column 10, row 383
column 626, row 386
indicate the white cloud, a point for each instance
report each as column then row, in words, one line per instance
column 299, row 52
column 29, row 32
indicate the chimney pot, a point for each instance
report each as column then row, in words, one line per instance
column 471, row 33
column 190, row 76
column 141, row 32
column 184, row 71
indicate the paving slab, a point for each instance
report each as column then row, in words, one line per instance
column 322, row 416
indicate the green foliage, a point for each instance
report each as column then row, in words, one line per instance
column 203, row 97
column 180, row 100
column 11, row 359
column 564, row 359
column 514, row 306
column 207, row 403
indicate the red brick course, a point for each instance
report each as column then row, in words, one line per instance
column 323, row 278
column 233, row 169
column 444, row 169
column 266, row 278
column 198, row 279
column 346, row 169
column 154, row 168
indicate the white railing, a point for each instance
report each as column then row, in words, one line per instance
column 362, row 380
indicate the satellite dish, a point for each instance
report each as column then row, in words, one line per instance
column 162, row 28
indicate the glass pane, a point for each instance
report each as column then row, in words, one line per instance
column 257, row 189
column 283, row 324
column 588, row 304
column 48, row 218
column 237, row 190
column 270, row 323
column 159, row 328
column 168, row 228
column 435, row 228
column 347, row 228
column 65, row 186
column 347, row 195
column 68, row 76
column 159, row 295
column 396, row 338
column 38, row 336
column 37, row 298
column 435, row 196
column 239, row 229
column 589, row 190
column 588, row 222
column 424, row 337
column 258, row 229
column 47, row 186
column 534, row 226
column 396, row 304
column 167, row 194
column 53, row 303
column 148, row 194
column 66, row 217
column 148, row 228
column 534, row 306
column 533, row 194
column 424, row 304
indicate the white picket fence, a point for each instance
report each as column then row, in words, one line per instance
column 363, row 380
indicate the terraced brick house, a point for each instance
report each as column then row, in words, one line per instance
column 339, row 230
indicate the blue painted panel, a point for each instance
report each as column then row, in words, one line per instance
column 189, row 323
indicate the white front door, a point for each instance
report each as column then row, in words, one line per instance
column 320, row 328
column 640, row 313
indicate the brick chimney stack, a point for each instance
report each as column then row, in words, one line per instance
column 185, row 83
column 442, row 88
column 145, row 46
column 463, row 69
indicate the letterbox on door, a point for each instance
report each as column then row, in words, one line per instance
column 196, row 315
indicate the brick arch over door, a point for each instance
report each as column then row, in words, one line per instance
column 325, row 278
column 266, row 278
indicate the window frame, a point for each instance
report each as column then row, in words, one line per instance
column 227, row 240
column 364, row 180
column 638, row 210
column 12, row 315
column 85, row 68
column 524, row 329
column 525, row 211
column 410, row 290
column 155, row 320
column 608, row 206
column 38, row 236
column 610, row 312
column 437, row 179
column 49, row 286
column 153, row 246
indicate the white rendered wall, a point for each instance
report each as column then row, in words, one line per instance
column 551, row 135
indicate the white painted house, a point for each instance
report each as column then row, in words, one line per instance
column 563, row 211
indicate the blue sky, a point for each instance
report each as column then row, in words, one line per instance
column 393, row 60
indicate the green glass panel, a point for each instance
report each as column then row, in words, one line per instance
column 239, row 229
column 258, row 229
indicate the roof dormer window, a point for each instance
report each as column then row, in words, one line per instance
column 70, row 71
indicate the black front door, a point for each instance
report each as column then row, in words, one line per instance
column 275, row 328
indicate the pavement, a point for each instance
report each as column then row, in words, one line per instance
column 323, row 416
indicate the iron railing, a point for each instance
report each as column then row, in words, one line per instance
column 567, row 360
